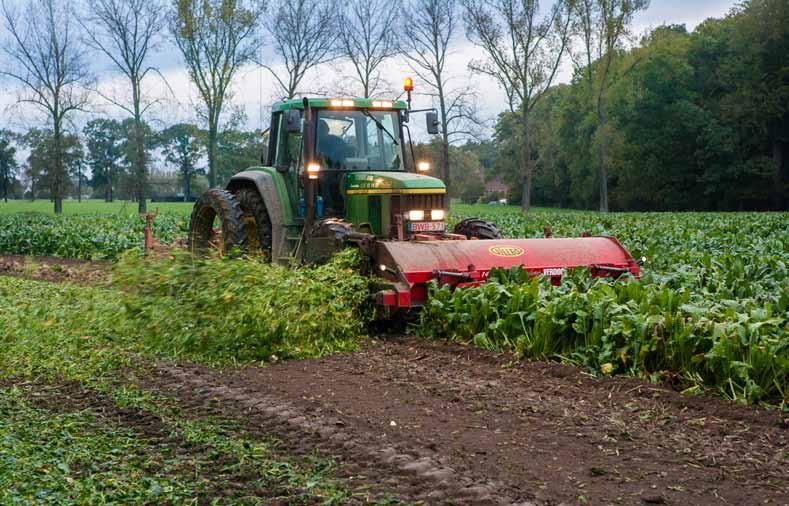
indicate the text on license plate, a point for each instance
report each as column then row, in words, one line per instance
column 426, row 226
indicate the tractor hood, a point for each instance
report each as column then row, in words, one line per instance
column 387, row 182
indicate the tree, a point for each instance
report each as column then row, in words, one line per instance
column 43, row 156
column 603, row 27
column 523, row 53
column 127, row 33
column 368, row 38
column 182, row 146
column 49, row 64
column 304, row 35
column 104, row 139
column 238, row 149
column 429, row 31
column 216, row 39
column 8, row 163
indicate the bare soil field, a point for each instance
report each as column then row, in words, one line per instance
column 441, row 423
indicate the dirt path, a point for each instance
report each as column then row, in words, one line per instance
column 55, row 269
column 441, row 423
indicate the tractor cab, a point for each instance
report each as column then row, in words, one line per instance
column 351, row 154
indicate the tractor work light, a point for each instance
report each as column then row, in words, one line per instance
column 382, row 104
column 312, row 170
column 416, row 215
column 437, row 214
column 337, row 102
column 423, row 166
column 408, row 84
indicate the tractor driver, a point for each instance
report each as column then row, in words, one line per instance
column 334, row 150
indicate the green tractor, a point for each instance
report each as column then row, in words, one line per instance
column 336, row 175
column 335, row 171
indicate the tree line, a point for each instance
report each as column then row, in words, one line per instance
column 681, row 120
column 102, row 159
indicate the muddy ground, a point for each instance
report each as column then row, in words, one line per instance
column 55, row 269
column 439, row 423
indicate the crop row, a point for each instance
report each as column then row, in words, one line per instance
column 85, row 236
column 711, row 308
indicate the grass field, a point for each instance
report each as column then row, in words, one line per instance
column 92, row 207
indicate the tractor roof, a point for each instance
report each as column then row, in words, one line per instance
column 360, row 103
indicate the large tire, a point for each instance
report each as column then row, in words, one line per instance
column 475, row 228
column 257, row 222
column 203, row 236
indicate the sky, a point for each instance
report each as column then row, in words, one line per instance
column 254, row 89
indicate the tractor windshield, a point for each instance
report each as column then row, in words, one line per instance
column 359, row 140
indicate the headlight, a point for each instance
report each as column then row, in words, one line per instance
column 416, row 215
column 437, row 214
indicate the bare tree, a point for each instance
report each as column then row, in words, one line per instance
column 216, row 38
column 368, row 38
column 126, row 31
column 523, row 53
column 48, row 61
column 429, row 31
column 304, row 34
column 603, row 26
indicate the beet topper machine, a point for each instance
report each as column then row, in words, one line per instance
column 336, row 175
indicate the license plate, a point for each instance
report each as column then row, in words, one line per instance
column 426, row 226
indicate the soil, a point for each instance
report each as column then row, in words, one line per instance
column 55, row 269
column 445, row 424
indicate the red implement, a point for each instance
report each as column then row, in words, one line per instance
column 411, row 265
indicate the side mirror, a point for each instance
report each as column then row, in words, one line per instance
column 432, row 123
column 291, row 121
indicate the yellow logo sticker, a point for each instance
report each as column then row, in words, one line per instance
column 506, row 251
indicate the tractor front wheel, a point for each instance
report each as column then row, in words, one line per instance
column 256, row 220
column 475, row 228
column 217, row 223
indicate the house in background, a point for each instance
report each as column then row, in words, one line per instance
column 495, row 189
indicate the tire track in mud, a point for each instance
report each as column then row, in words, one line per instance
column 409, row 473
column 438, row 423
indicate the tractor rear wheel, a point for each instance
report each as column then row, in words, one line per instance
column 206, row 234
column 257, row 222
column 475, row 228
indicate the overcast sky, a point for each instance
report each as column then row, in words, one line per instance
column 254, row 88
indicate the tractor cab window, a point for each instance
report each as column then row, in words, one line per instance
column 358, row 140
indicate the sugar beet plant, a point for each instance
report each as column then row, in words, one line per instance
column 712, row 307
column 85, row 236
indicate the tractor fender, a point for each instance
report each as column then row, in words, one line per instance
column 264, row 182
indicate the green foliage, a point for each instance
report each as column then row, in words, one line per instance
column 71, row 458
column 104, row 142
column 692, row 121
column 231, row 309
column 77, row 455
column 86, row 236
column 215, row 311
column 712, row 305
